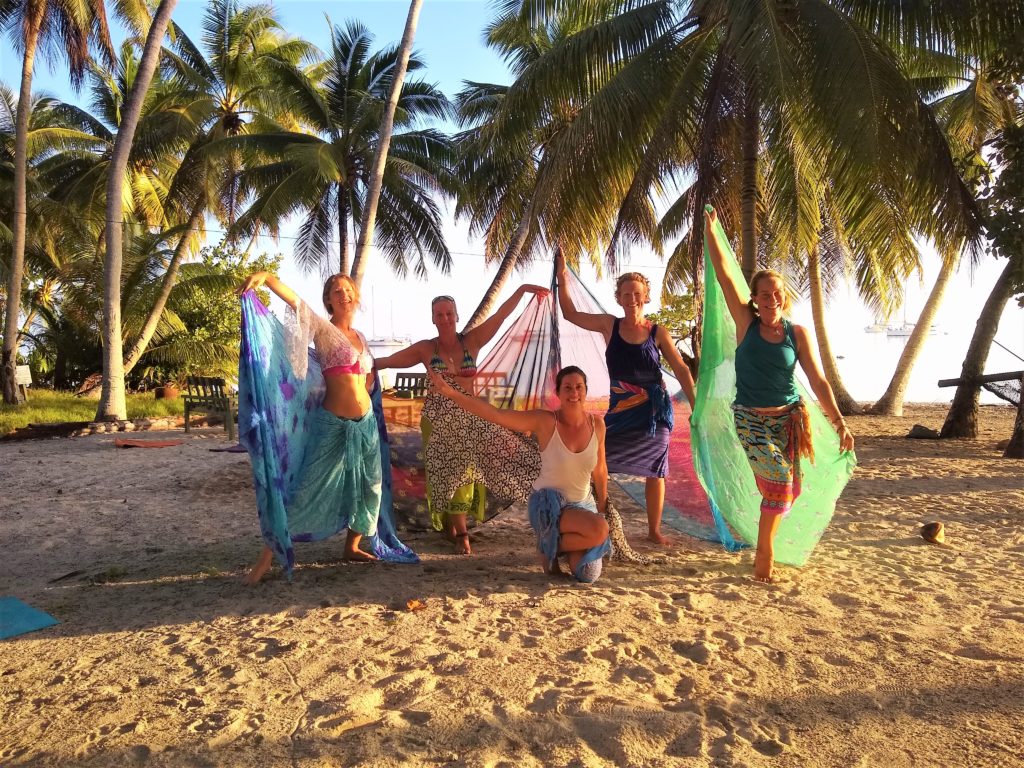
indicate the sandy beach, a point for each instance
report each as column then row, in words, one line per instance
column 883, row 651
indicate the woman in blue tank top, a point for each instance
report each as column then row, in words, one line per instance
column 639, row 418
column 770, row 417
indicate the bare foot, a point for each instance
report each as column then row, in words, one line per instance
column 461, row 544
column 259, row 570
column 550, row 567
column 358, row 556
column 658, row 538
column 764, row 568
column 573, row 559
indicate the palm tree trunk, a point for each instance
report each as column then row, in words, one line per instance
column 19, row 219
column 962, row 418
column 344, row 212
column 508, row 263
column 170, row 277
column 847, row 405
column 386, row 127
column 748, row 190
column 891, row 402
column 112, row 405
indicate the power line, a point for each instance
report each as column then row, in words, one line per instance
column 217, row 230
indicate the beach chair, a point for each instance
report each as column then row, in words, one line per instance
column 208, row 394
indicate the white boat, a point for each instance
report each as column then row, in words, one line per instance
column 904, row 330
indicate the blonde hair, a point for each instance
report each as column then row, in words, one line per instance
column 636, row 277
column 329, row 286
column 770, row 273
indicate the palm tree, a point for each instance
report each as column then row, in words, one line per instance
column 77, row 177
column 502, row 151
column 52, row 133
column 56, row 25
column 765, row 106
column 497, row 189
column 387, row 125
column 232, row 92
column 971, row 115
column 112, row 405
column 324, row 173
column 1004, row 201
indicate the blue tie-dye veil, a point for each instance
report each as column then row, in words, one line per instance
column 274, row 423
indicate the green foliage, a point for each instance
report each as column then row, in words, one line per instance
column 1003, row 201
column 50, row 407
column 678, row 314
column 317, row 167
column 202, row 338
column 64, row 347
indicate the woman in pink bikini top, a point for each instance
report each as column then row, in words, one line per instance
column 344, row 355
column 341, row 479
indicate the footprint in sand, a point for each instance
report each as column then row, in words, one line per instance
column 698, row 652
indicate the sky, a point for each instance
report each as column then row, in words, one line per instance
column 449, row 39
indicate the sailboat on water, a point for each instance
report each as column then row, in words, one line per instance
column 892, row 330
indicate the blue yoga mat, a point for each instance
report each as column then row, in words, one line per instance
column 17, row 618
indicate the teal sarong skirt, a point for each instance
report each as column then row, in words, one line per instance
column 340, row 484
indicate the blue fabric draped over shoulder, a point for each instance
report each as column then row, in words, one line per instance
column 276, row 416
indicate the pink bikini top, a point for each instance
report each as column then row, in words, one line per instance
column 337, row 354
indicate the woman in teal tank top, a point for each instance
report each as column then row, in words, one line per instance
column 770, row 417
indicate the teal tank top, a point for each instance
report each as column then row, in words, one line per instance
column 765, row 371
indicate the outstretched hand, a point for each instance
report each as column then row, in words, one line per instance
column 559, row 262
column 252, row 282
column 537, row 290
column 710, row 217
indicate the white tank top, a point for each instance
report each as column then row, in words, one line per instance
column 565, row 471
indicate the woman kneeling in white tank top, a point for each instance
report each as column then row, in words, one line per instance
column 563, row 511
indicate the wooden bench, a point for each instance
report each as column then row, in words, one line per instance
column 990, row 378
column 207, row 394
column 410, row 385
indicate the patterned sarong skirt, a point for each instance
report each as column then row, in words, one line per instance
column 772, row 444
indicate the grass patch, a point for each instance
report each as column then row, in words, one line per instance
column 49, row 407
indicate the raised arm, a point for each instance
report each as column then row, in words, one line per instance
column 602, row 324
column 600, row 473
column 736, row 295
column 405, row 358
column 675, row 361
column 269, row 279
column 819, row 385
column 518, row 421
column 483, row 333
